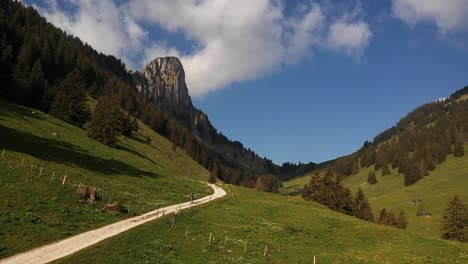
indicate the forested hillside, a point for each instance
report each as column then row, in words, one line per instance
column 417, row 143
column 37, row 57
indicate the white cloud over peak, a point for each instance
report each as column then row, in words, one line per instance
column 234, row 40
column 101, row 24
column 448, row 15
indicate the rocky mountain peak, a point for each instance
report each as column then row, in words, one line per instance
column 163, row 82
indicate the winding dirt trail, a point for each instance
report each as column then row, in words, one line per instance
column 76, row 243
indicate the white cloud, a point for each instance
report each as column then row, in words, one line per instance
column 351, row 38
column 448, row 15
column 236, row 43
column 99, row 23
column 234, row 40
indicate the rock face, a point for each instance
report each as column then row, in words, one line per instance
column 163, row 82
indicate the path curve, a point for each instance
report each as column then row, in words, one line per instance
column 63, row 248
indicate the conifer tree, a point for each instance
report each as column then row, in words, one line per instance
column 412, row 173
column 37, row 84
column 385, row 170
column 135, row 126
column 106, row 123
column 371, row 178
column 69, row 103
column 391, row 219
column 214, row 174
column 455, row 225
column 362, row 208
column 127, row 127
column 423, row 168
column 383, row 217
column 355, row 169
column 458, row 150
column 402, row 222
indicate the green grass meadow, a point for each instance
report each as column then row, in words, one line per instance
column 246, row 226
column 293, row 230
column 35, row 208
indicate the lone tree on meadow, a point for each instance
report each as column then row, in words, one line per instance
column 402, row 221
column 69, row 101
column 455, row 225
column 362, row 208
column 107, row 121
column 371, row 178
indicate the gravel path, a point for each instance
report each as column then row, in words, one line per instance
column 76, row 243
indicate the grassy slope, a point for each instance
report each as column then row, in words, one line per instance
column 294, row 231
column 35, row 211
column 448, row 179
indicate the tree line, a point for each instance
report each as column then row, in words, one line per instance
column 417, row 144
column 329, row 191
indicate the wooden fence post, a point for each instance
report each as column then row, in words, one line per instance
column 40, row 172
column 314, row 259
column 265, row 251
column 225, row 241
column 22, row 162
column 3, row 153
column 64, row 179
column 211, row 235
column 53, row 175
column 173, row 220
column 186, row 231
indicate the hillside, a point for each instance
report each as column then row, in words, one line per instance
column 37, row 208
column 37, row 57
column 435, row 191
column 293, row 231
column 448, row 179
column 418, row 164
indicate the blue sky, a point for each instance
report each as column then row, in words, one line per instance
column 292, row 80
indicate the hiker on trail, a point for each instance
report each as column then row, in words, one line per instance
column 192, row 198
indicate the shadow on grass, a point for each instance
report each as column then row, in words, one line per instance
column 63, row 152
column 125, row 148
column 138, row 138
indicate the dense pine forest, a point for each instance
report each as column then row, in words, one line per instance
column 417, row 143
column 43, row 67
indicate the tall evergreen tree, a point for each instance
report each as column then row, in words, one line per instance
column 69, row 103
column 455, row 225
column 362, row 208
column 383, row 217
column 402, row 221
column 126, row 125
column 214, row 174
column 458, row 150
column 385, row 169
column 107, row 121
column 38, row 84
column 371, row 178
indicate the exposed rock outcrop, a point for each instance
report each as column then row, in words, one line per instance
column 162, row 82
